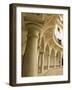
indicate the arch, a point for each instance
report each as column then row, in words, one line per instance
column 42, row 44
column 40, row 57
column 52, row 58
column 46, row 57
column 38, row 40
column 62, row 59
column 58, row 58
column 62, row 62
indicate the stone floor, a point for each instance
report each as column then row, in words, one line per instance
column 52, row 71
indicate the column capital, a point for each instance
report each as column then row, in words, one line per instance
column 32, row 34
column 48, row 54
column 41, row 52
column 33, row 30
column 55, row 55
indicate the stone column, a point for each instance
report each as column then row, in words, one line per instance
column 30, row 60
column 42, row 61
column 49, row 56
column 48, row 61
column 61, row 59
column 55, row 60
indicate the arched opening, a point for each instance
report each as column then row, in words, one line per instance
column 58, row 59
column 62, row 62
column 46, row 57
column 40, row 57
column 42, row 45
column 52, row 58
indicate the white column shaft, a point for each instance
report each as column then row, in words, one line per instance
column 30, row 60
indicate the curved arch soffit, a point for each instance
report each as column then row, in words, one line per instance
column 42, row 43
column 58, row 54
column 53, row 52
column 47, row 49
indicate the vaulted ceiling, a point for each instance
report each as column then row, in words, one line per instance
column 48, row 23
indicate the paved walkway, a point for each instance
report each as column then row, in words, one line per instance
column 52, row 71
